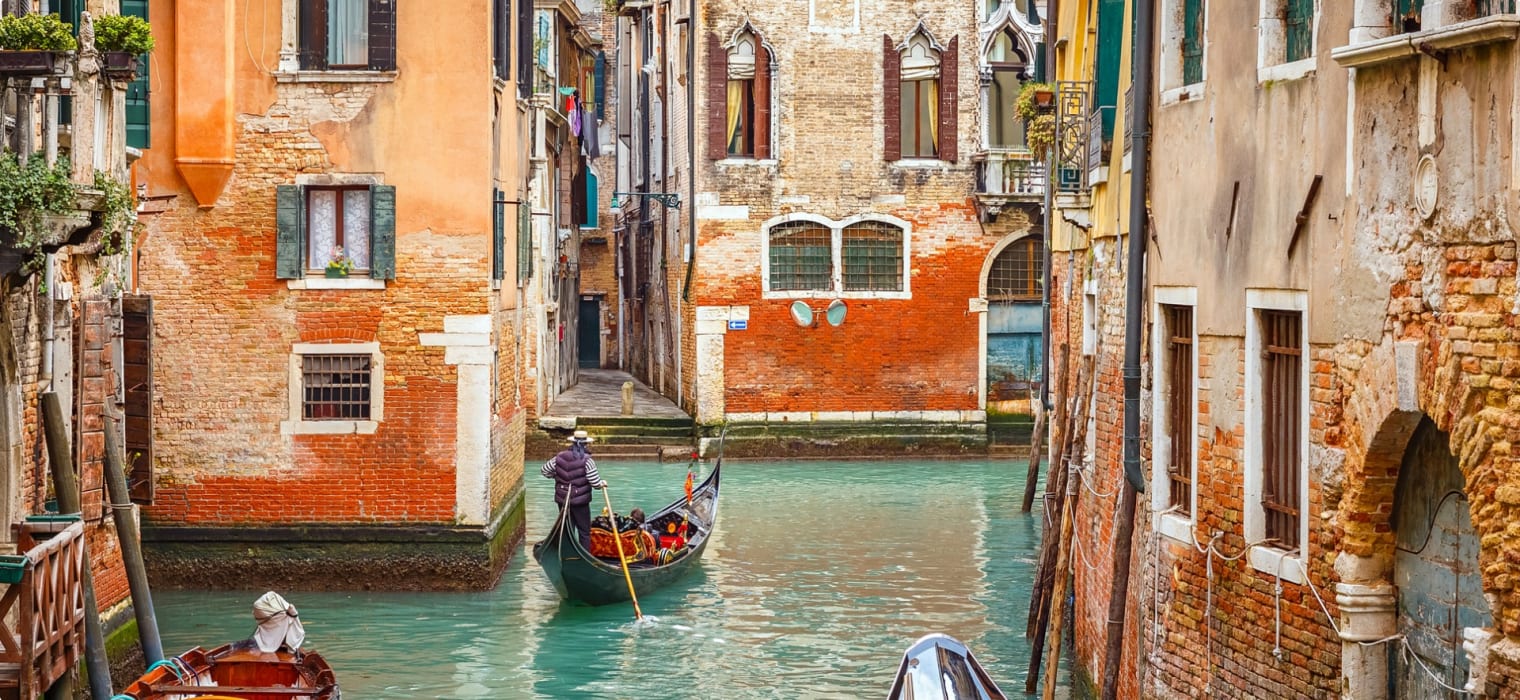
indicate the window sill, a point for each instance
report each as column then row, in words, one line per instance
column 1302, row 68
column 336, row 76
column 921, row 163
column 329, row 427
column 1186, row 93
column 1176, row 528
column 739, row 160
column 1484, row 30
column 336, row 283
column 1278, row 563
column 828, row 295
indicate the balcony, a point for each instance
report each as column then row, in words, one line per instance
column 1007, row 176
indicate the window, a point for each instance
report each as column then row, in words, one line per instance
column 811, row 256
column 1192, row 41
column 1299, row 26
column 1018, row 271
column 1281, row 430
column 1178, row 339
column 1009, row 64
column 1276, row 435
column 317, row 223
column 740, row 96
column 1286, row 39
column 525, row 49
column 920, row 99
column 919, row 84
column 348, row 34
column 335, row 388
column 501, row 38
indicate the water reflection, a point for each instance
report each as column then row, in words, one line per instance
column 817, row 579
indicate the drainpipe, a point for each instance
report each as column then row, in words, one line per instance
column 1134, row 314
column 49, row 337
column 691, row 167
column 1048, row 23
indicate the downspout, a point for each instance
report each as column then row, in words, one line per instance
column 49, row 337
column 1048, row 22
column 691, row 172
column 1134, row 316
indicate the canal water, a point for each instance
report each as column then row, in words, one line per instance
column 819, row 576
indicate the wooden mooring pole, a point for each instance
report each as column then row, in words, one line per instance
column 66, row 488
column 131, row 548
column 1042, row 424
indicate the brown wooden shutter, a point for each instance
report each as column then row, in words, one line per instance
column 891, row 99
column 382, row 34
column 762, row 101
column 949, row 71
column 313, row 27
column 717, row 99
column 137, row 356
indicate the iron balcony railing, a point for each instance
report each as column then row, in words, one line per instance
column 1073, row 132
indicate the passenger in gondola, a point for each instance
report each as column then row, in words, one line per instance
column 574, row 474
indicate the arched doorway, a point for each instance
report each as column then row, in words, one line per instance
column 1015, row 317
column 1435, row 570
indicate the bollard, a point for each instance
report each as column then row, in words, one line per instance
column 627, row 398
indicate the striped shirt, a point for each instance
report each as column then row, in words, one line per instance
column 592, row 477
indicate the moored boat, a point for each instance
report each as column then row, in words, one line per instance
column 580, row 576
column 239, row 671
column 938, row 666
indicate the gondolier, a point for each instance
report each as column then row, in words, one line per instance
column 574, row 474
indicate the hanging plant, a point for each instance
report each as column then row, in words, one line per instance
column 1040, row 134
column 36, row 33
column 1033, row 100
column 115, row 212
column 28, row 193
column 125, row 33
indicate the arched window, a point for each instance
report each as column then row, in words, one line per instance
column 920, row 98
column 801, row 256
column 1018, row 271
column 863, row 259
column 873, row 257
column 744, row 72
column 1009, row 65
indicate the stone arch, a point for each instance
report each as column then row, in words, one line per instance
column 983, row 341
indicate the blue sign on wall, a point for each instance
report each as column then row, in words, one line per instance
column 738, row 325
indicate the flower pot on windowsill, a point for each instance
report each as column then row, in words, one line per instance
column 336, row 274
column 29, row 62
column 119, row 65
column 1044, row 99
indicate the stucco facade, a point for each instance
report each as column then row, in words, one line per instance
column 418, row 435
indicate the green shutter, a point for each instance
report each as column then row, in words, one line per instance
column 590, row 200
column 1300, row 30
column 382, row 232
column 524, row 242
column 1406, row 15
column 498, row 235
column 1106, row 82
column 139, row 110
column 600, row 89
column 289, row 262
column 1192, row 41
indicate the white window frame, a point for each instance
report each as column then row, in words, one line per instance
column 1287, row 564
column 1089, row 318
column 836, row 284
column 1173, row 32
column 296, row 425
column 1171, row 524
column 1272, row 44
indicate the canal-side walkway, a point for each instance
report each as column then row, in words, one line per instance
column 599, row 394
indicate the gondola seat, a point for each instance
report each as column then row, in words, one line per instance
column 638, row 545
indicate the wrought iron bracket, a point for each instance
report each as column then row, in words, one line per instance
column 671, row 200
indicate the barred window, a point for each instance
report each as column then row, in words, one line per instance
column 801, row 256
column 335, row 387
column 1018, row 271
column 873, row 257
column 1281, row 430
column 1179, row 404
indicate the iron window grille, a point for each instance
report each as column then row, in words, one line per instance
column 1017, row 272
column 335, row 387
column 1281, row 390
column 801, row 257
column 1179, row 428
column 873, row 257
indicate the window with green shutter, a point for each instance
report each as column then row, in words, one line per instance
column 317, row 226
column 1406, row 15
column 1192, row 41
column 1299, row 21
column 524, row 242
column 139, row 111
column 591, row 221
column 498, row 235
column 1106, row 81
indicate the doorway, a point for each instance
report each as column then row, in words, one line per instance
column 589, row 332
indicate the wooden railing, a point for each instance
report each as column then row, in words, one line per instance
column 47, row 605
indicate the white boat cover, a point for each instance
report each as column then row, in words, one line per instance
column 279, row 624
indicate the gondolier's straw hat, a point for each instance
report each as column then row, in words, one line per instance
column 581, row 436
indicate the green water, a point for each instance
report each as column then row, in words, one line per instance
column 819, row 576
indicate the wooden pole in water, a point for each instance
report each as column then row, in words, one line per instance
column 66, row 488
column 1052, row 567
column 1032, row 478
column 1051, row 425
column 618, row 539
column 1055, row 488
column 131, row 548
column 1058, row 591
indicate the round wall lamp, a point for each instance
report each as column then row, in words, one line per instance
column 802, row 314
column 835, row 312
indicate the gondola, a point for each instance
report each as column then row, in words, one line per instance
column 938, row 666
column 237, row 671
column 579, row 576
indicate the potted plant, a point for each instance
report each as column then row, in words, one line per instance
column 121, row 39
column 1033, row 99
column 340, row 264
column 1040, row 134
column 30, row 44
